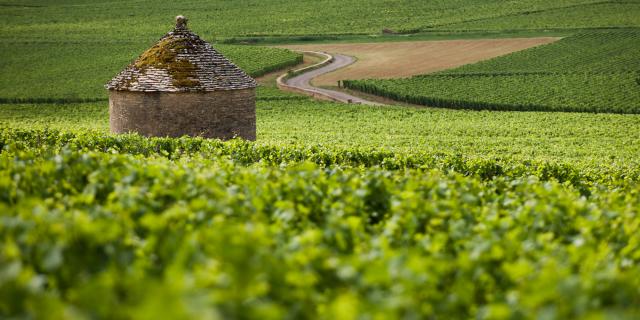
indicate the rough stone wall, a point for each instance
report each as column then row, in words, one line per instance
column 217, row 114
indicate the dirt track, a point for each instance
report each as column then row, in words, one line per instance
column 405, row 59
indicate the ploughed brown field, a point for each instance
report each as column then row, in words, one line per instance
column 405, row 59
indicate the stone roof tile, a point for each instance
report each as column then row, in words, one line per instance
column 181, row 62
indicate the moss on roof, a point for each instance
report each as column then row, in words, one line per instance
column 164, row 55
column 181, row 61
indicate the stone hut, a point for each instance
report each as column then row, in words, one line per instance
column 183, row 86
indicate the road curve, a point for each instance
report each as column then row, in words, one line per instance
column 303, row 82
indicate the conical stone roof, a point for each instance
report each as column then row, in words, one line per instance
column 181, row 62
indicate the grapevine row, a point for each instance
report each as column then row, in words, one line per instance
column 247, row 153
column 118, row 235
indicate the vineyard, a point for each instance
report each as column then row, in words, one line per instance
column 589, row 72
column 78, row 72
column 46, row 20
column 616, row 93
column 64, row 51
column 588, row 52
column 588, row 15
column 336, row 211
column 299, row 233
column 283, row 121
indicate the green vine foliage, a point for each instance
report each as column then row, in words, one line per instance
column 128, row 227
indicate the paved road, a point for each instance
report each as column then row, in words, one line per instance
column 339, row 61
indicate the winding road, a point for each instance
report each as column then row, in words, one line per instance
column 389, row 60
column 302, row 82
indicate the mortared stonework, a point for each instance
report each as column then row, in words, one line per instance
column 183, row 86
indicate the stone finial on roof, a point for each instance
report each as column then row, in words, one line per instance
column 181, row 22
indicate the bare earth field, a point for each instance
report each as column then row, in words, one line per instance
column 405, row 59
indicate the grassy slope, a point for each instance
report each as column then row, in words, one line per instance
column 590, row 72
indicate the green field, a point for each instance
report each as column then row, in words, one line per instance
column 594, row 71
column 337, row 211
